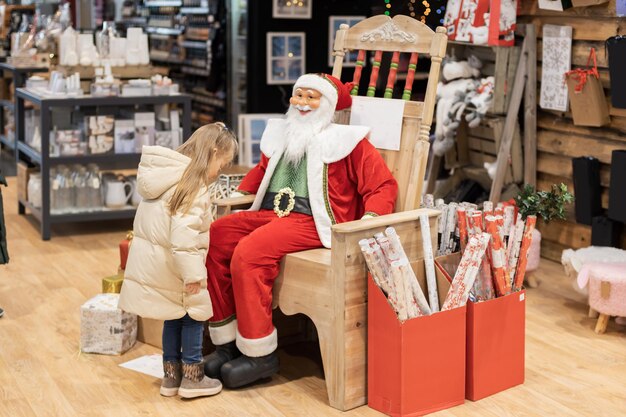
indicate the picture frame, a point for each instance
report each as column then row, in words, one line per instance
column 292, row 9
column 333, row 26
column 286, row 57
column 250, row 128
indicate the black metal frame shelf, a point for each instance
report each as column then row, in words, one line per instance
column 163, row 3
column 18, row 75
column 45, row 160
column 194, row 10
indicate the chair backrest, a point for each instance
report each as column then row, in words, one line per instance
column 399, row 35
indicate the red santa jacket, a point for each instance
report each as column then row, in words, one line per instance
column 347, row 176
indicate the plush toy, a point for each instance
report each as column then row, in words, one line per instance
column 480, row 100
column 452, row 100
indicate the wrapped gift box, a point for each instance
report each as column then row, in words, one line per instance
column 113, row 284
column 104, row 328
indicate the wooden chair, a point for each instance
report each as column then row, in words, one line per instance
column 330, row 286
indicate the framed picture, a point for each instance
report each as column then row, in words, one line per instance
column 292, row 9
column 285, row 57
column 250, row 130
column 333, row 26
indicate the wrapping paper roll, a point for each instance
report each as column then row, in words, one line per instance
column 467, row 272
column 498, row 265
column 523, row 255
column 429, row 264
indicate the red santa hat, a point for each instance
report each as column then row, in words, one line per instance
column 330, row 87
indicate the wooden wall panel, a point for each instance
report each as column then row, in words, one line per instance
column 558, row 139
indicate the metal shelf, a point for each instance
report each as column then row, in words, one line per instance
column 194, row 44
column 45, row 161
column 194, row 10
column 8, row 67
column 33, row 154
column 7, row 103
column 8, row 143
column 164, row 31
column 100, row 101
column 121, row 158
column 103, row 214
column 163, row 3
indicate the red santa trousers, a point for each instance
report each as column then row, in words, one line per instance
column 245, row 250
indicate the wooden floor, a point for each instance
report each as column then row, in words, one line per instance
column 570, row 371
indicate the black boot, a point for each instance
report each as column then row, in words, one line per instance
column 223, row 353
column 245, row 369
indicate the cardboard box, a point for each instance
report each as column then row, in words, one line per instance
column 495, row 339
column 150, row 331
column 416, row 367
column 495, row 345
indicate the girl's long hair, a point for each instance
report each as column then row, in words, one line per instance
column 200, row 148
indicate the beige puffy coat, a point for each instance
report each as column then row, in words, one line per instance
column 167, row 251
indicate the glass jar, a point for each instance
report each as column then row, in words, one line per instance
column 34, row 190
column 103, row 39
column 81, row 191
column 62, row 185
column 94, row 187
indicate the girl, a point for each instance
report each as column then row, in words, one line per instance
column 165, row 275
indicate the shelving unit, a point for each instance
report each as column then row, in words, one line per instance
column 181, row 34
column 18, row 75
column 237, row 53
column 43, row 159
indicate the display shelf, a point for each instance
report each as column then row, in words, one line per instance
column 163, row 3
column 6, row 142
column 164, row 31
column 82, row 216
column 194, row 10
column 18, row 76
column 194, row 44
column 7, row 103
column 46, row 161
column 33, row 154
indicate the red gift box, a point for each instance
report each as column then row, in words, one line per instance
column 124, row 249
column 416, row 367
column 495, row 345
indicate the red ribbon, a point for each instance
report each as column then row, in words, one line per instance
column 580, row 75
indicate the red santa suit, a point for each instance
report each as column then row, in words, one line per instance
column 346, row 178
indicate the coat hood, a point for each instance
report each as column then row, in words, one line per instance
column 159, row 170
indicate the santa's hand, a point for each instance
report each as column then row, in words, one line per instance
column 235, row 194
column 192, row 288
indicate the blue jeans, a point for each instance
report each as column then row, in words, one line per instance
column 182, row 340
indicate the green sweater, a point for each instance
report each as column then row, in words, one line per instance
column 286, row 175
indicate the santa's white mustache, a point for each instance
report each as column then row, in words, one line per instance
column 303, row 108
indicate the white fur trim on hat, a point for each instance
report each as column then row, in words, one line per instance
column 220, row 335
column 321, row 84
column 257, row 347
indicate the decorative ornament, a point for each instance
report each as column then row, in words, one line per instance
column 388, row 32
column 290, row 205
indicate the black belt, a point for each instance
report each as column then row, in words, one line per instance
column 301, row 204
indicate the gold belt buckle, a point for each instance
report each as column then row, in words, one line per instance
column 290, row 205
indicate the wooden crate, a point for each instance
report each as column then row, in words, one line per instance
column 499, row 61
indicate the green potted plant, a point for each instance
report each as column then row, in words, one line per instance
column 546, row 205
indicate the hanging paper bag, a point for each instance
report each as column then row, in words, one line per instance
column 586, row 95
column 556, row 5
column 616, row 46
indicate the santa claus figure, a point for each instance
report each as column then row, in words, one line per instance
column 312, row 174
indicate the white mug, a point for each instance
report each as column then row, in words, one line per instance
column 118, row 193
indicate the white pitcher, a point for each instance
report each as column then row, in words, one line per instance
column 118, row 193
column 136, row 197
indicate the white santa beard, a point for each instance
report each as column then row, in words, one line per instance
column 300, row 130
